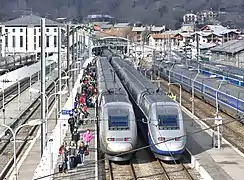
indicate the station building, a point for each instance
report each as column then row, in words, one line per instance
column 23, row 35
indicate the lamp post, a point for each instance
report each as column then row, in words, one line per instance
column 19, row 103
column 193, row 92
column 170, row 75
column 14, row 133
column 66, row 74
column 30, row 86
column 47, row 103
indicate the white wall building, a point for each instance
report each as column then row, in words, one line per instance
column 23, row 35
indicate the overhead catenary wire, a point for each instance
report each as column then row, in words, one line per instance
column 144, row 147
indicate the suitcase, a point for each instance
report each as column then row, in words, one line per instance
column 77, row 159
column 72, row 162
column 60, row 168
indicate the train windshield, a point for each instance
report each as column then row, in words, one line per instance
column 169, row 122
column 118, row 122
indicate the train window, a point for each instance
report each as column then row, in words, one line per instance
column 209, row 91
column 198, row 85
column 241, row 105
column 118, row 122
column 227, row 99
column 186, row 80
column 168, row 122
column 177, row 76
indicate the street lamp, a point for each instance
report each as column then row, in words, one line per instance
column 47, row 102
column 14, row 133
column 170, row 75
column 193, row 91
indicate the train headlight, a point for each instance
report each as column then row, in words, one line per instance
column 161, row 139
column 177, row 139
column 127, row 139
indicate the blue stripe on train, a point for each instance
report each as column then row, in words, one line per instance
column 158, row 151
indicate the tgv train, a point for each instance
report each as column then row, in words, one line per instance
column 230, row 97
column 233, row 74
column 117, row 125
column 163, row 126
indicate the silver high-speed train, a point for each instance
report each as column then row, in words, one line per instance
column 164, row 127
column 117, row 125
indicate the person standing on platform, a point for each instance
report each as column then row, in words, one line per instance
column 71, row 122
column 81, row 152
column 87, row 137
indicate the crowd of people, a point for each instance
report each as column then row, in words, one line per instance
column 74, row 152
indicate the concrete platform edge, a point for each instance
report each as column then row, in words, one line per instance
column 50, row 156
column 194, row 162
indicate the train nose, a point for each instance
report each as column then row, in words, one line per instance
column 119, row 147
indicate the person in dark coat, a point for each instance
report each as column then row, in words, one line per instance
column 71, row 122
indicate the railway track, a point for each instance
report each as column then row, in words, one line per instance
column 125, row 171
column 144, row 166
column 175, row 171
column 233, row 132
column 12, row 92
column 24, row 135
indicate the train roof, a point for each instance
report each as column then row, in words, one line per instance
column 155, row 94
column 135, row 76
column 211, row 82
column 109, row 83
column 239, row 72
column 113, row 97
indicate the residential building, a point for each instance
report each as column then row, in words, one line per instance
column 139, row 32
column 230, row 53
column 23, row 35
column 163, row 41
column 184, row 38
column 190, row 18
column 219, row 34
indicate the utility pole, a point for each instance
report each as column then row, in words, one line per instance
column 154, row 60
column 68, row 67
column 73, row 55
column 59, row 68
column 84, row 42
column 197, row 36
column 76, row 48
column 89, row 45
column 43, row 85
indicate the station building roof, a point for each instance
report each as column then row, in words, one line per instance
column 230, row 47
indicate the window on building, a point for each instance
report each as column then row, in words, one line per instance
column 21, row 42
column 13, row 30
column 55, row 41
column 47, row 30
column 21, row 30
column 6, row 41
column 55, row 30
column 47, row 41
column 39, row 41
column 34, row 39
column 13, row 41
column 6, row 30
column 34, row 46
column 34, row 31
column 39, row 29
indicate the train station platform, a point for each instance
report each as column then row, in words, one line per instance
column 30, row 164
column 89, row 170
column 46, row 166
column 226, row 163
